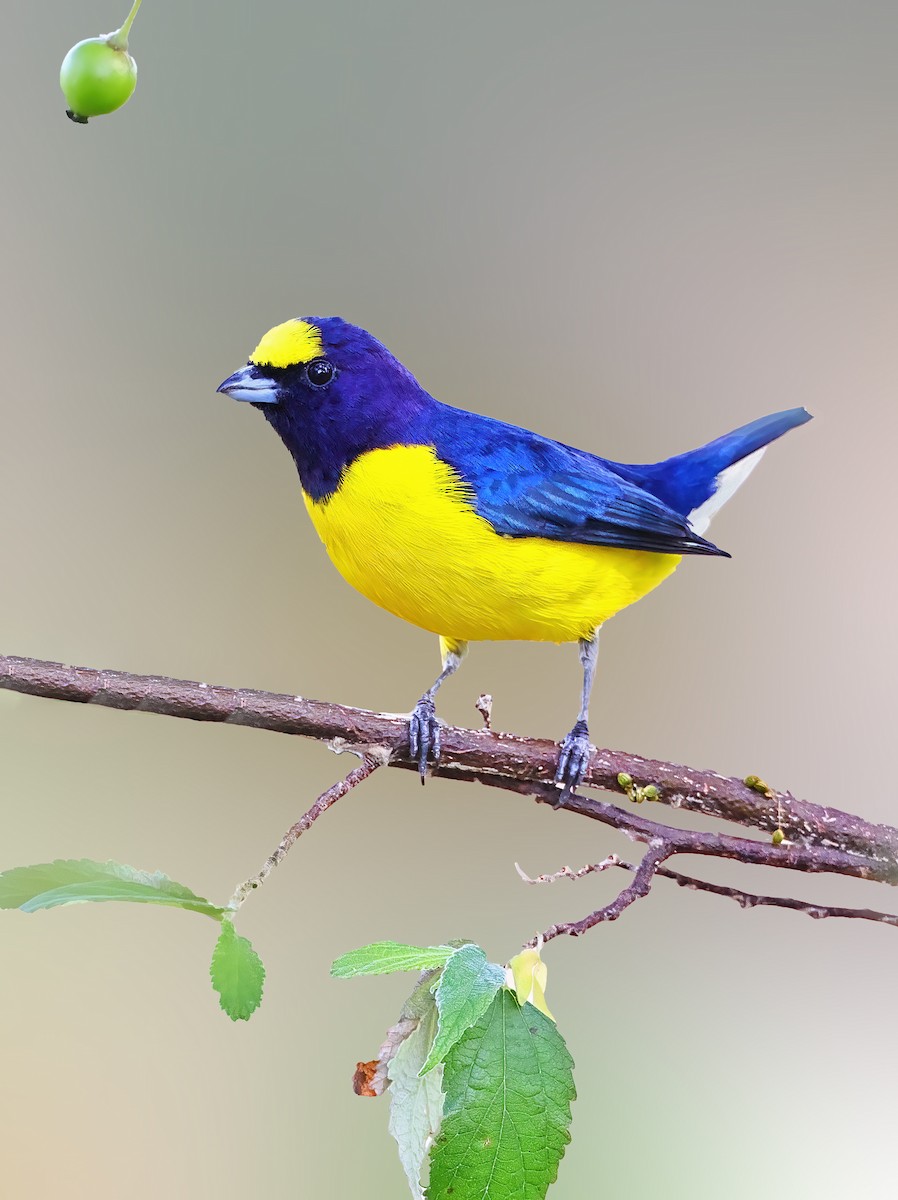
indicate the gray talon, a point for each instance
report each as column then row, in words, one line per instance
column 424, row 735
column 573, row 759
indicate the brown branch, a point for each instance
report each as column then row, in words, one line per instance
column 742, row 898
column 819, row 839
column 754, row 900
column 643, row 878
column 370, row 762
column 479, row 753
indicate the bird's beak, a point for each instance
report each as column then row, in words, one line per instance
column 251, row 384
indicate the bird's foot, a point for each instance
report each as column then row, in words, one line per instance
column 573, row 760
column 424, row 735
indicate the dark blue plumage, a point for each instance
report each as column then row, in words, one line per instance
column 372, row 402
column 524, row 484
column 686, row 481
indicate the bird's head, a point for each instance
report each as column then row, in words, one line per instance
column 330, row 390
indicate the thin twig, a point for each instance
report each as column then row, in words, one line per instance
column 753, row 900
column 566, row 873
column 370, row 762
column 643, row 878
column 743, row 899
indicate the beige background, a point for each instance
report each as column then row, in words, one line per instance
column 630, row 226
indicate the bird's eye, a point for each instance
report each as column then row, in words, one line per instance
column 320, row 372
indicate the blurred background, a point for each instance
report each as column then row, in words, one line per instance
column 632, row 227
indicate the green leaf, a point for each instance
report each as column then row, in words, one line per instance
column 509, row 1087
column 416, row 1104
column 382, row 957
column 237, row 974
column 77, row 881
column 465, row 991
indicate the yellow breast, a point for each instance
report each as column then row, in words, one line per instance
column 401, row 529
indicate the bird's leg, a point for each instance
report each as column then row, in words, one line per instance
column 424, row 727
column 575, row 749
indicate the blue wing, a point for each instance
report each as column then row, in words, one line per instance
column 529, row 486
column 526, row 485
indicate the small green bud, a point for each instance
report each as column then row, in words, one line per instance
column 625, row 780
column 757, row 785
column 96, row 78
column 650, row 792
column 778, row 837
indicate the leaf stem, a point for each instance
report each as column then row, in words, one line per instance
column 119, row 39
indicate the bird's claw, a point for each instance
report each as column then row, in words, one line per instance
column 573, row 760
column 424, row 735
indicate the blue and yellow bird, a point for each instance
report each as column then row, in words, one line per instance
column 471, row 528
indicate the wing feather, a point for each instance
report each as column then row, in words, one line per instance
column 596, row 509
column 526, row 485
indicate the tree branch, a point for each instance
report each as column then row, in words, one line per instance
column 643, row 876
column 370, row 762
column 754, row 900
column 818, row 839
column 743, row 899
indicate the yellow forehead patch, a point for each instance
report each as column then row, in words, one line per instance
column 288, row 344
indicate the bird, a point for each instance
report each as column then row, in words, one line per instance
column 472, row 528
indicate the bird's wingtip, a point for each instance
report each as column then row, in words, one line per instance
column 701, row 545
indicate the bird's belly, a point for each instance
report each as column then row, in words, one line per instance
column 402, row 531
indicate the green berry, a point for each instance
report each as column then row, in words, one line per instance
column 96, row 78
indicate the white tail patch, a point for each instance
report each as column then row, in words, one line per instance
column 727, row 482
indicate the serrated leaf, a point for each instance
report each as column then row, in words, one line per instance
column 380, row 958
column 416, row 1104
column 529, row 974
column 81, row 880
column 509, row 1086
column 237, row 974
column 465, row 990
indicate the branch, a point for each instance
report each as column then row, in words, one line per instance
column 743, row 899
column 643, row 877
column 370, row 762
column 753, row 900
column 818, row 839
column 479, row 753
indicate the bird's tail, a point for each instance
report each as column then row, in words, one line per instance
column 700, row 482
